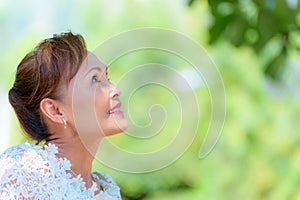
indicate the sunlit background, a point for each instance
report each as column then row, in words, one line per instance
column 255, row 45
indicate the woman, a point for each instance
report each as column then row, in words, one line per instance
column 63, row 98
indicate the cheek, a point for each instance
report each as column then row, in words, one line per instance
column 101, row 107
column 84, row 112
column 101, row 104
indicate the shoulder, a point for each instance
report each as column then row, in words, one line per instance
column 29, row 151
column 19, row 149
column 23, row 154
column 28, row 171
column 108, row 184
column 18, row 154
column 21, row 157
column 26, row 156
column 17, row 165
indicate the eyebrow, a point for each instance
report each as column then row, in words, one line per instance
column 95, row 68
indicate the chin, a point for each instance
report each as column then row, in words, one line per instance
column 117, row 128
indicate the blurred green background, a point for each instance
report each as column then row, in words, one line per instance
column 255, row 45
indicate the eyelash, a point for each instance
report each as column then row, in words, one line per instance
column 96, row 78
column 107, row 77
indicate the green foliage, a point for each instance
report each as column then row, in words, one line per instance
column 258, row 154
column 255, row 23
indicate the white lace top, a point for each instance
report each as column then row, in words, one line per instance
column 32, row 172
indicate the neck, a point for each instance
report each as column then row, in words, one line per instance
column 81, row 158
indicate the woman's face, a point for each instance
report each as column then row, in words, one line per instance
column 92, row 104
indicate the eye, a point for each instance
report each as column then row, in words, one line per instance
column 95, row 79
column 107, row 76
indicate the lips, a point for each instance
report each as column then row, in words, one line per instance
column 115, row 109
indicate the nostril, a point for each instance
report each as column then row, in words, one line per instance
column 116, row 92
column 115, row 95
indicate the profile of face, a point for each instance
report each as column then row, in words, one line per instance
column 91, row 104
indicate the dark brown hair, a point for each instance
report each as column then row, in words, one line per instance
column 53, row 62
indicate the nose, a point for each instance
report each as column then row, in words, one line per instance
column 115, row 93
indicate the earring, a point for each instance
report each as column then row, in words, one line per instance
column 65, row 122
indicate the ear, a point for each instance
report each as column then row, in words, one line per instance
column 50, row 109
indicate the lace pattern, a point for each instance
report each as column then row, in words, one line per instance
column 32, row 172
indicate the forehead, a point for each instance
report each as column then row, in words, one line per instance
column 91, row 61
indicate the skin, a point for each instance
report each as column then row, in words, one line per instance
column 85, row 104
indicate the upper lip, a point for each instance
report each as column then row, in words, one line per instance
column 118, row 105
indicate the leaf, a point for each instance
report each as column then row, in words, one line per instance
column 274, row 66
column 190, row 2
column 267, row 28
column 219, row 27
column 237, row 31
